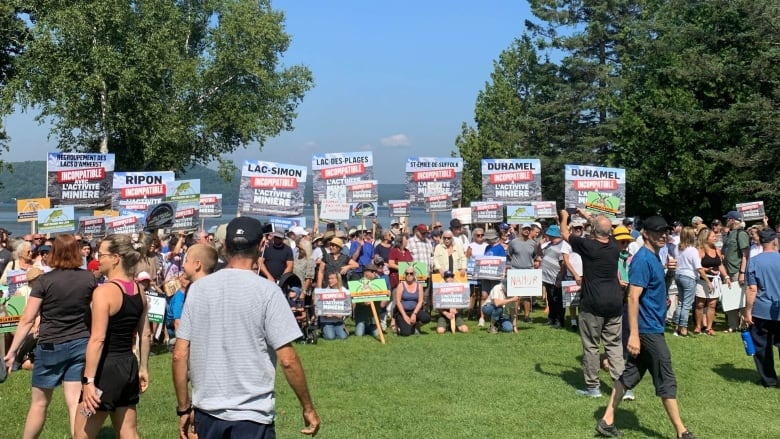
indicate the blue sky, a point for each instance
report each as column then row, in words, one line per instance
column 397, row 78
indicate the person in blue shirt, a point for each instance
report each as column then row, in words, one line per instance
column 646, row 344
column 762, row 305
column 199, row 261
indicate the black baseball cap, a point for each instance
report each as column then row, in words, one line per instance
column 243, row 232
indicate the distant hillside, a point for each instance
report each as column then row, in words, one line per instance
column 28, row 180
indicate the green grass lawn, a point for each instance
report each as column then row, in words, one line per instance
column 472, row 385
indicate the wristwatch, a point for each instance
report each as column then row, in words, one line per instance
column 186, row 411
column 87, row 380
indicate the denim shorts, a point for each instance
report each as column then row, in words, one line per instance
column 55, row 363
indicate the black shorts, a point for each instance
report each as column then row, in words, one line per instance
column 117, row 377
column 654, row 356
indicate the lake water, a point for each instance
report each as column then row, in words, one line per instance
column 418, row 216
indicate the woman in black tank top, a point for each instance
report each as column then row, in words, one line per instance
column 113, row 378
column 711, row 273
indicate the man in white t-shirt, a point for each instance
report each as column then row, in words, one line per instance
column 239, row 399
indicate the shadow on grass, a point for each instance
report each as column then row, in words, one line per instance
column 107, row 431
column 627, row 421
column 570, row 375
column 736, row 374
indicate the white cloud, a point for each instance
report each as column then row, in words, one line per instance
column 399, row 139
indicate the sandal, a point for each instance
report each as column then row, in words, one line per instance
column 711, row 332
column 697, row 331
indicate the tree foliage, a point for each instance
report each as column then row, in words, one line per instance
column 683, row 94
column 162, row 84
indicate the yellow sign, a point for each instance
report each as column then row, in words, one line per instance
column 105, row 213
column 27, row 209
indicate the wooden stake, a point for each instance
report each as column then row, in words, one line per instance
column 316, row 228
column 377, row 323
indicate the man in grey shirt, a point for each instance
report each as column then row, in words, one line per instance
column 522, row 254
column 234, row 326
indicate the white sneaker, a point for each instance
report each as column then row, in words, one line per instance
column 591, row 393
column 481, row 323
column 629, row 395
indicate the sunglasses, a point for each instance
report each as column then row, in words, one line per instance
column 448, row 237
column 410, row 273
column 479, row 235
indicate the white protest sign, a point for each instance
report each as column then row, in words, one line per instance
column 334, row 210
column 732, row 297
column 156, row 306
column 524, row 282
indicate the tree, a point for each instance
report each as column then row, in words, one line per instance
column 703, row 97
column 513, row 116
column 12, row 37
column 163, row 85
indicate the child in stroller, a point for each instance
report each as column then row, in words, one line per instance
column 301, row 306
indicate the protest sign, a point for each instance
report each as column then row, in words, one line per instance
column 269, row 188
column 428, row 177
column 365, row 291
column 732, row 297
column 487, row 212
column 753, row 211
column 332, row 172
column 438, row 203
column 463, row 214
column 27, row 209
column 59, row 219
column 79, row 179
column 281, row 223
column 520, row 214
column 92, row 225
column 156, row 306
column 450, row 295
column 134, row 192
column 211, row 205
column 160, row 216
column 398, row 208
column 420, row 270
column 458, row 277
column 363, row 191
column 489, row 267
column 15, row 279
column 599, row 190
column 14, row 309
column 186, row 195
column 107, row 212
column 362, row 210
column 335, row 210
column 523, row 282
column 545, row 209
column 511, row 180
column 123, row 224
column 332, row 302
column 571, row 293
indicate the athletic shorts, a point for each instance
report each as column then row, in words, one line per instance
column 654, row 356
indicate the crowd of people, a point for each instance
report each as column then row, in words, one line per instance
column 632, row 284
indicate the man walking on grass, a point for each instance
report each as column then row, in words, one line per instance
column 646, row 344
column 231, row 350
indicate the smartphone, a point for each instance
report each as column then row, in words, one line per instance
column 571, row 210
column 84, row 412
column 268, row 228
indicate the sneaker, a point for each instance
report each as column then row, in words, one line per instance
column 574, row 328
column 3, row 372
column 591, row 393
column 492, row 330
column 607, row 430
column 687, row 435
column 383, row 324
column 629, row 395
column 481, row 323
column 527, row 319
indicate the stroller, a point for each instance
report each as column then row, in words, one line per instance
column 301, row 305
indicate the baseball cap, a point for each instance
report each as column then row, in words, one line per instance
column 143, row 276
column 448, row 275
column 436, row 233
column 766, row 235
column 44, row 248
column 243, row 232
column 655, row 224
column 370, row 267
column 422, row 228
column 732, row 214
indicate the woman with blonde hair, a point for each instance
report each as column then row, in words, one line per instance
column 708, row 285
column 688, row 265
column 113, row 378
column 22, row 258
